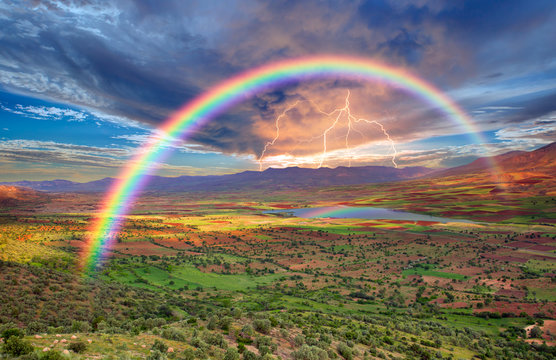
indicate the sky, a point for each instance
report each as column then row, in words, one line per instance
column 83, row 84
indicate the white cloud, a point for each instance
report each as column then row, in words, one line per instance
column 46, row 112
column 533, row 132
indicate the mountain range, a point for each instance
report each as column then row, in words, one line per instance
column 291, row 177
column 538, row 161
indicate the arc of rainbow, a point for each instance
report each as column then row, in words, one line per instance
column 215, row 101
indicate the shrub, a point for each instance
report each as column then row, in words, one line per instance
column 16, row 346
column 159, row 346
column 52, row 355
column 262, row 325
column 307, row 352
column 248, row 355
column 345, row 351
column 30, row 356
column 173, row 333
column 35, row 327
column 77, row 347
column 231, row 354
column 247, row 330
column 536, row 332
column 8, row 333
column 80, row 326
column 188, row 354
column 156, row 355
column 214, row 339
column 299, row 340
column 225, row 323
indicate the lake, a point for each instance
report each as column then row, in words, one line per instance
column 363, row 212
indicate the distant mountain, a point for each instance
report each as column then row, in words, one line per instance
column 539, row 161
column 293, row 177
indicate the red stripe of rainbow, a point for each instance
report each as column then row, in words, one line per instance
column 132, row 178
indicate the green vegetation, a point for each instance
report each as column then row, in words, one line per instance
column 196, row 280
column 427, row 270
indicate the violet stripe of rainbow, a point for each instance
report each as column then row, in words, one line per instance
column 132, row 178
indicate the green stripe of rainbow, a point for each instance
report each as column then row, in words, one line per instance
column 232, row 91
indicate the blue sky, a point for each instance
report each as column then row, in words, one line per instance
column 84, row 83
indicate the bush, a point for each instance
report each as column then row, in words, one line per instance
column 231, row 354
column 80, row 326
column 156, row 355
column 159, row 346
column 52, row 355
column 247, row 330
column 345, row 351
column 188, row 354
column 16, row 346
column 8, row 333
column 214, row 339
column 307, row 352
column 248, row 355
column 77, row 347
column 262, row 325
column 173, row 333
column 536, row 332
column 35, row 327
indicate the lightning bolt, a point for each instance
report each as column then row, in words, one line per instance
column 345, row 111
column 277, row 124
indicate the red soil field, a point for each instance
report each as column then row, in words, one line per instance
column 142, row 248
column 518, row 294
column 517, row 308
column 455, row 305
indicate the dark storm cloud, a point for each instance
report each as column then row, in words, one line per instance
column 406, row 46
column 143, row 59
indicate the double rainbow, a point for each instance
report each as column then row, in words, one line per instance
column 132, row 178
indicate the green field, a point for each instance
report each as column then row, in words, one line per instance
column 430, row 272
column 179, row 276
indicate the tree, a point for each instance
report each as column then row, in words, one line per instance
column 536, row 332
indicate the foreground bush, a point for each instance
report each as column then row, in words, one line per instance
column 16, row 346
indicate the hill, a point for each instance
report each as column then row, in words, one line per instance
column 11, row 196
column 539, row 161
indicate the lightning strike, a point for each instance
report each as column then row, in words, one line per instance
column 277, row 124
column 339, row 113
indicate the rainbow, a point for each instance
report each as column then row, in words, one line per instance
column 221, row 97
